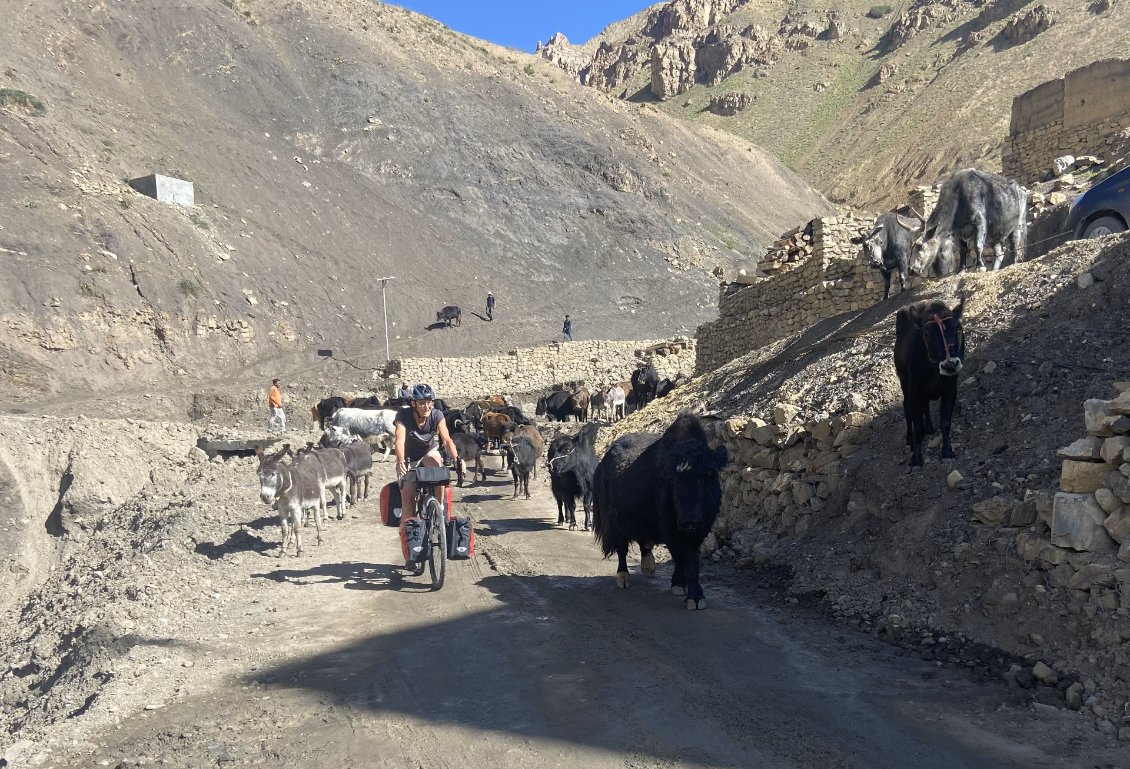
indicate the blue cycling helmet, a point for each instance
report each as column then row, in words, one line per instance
column 422, row 392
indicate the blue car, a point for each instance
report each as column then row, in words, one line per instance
column 1103, row 209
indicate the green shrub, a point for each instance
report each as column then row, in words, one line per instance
column 10, row 97
column 188, row 288
column 879, row 11
column 528, row 69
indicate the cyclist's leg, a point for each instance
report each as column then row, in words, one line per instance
column 431, row 459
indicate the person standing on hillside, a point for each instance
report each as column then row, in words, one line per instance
column 490, row 306
column 567, row 330
column 274, row 404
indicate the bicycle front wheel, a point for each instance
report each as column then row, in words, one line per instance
column 437, row 558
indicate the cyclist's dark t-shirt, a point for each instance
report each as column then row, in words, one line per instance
column 418, row 441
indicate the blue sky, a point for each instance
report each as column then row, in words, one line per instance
column 521, row 24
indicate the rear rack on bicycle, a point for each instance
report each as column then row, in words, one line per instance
column 436, row 475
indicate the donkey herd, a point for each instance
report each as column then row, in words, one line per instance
column 663, row 489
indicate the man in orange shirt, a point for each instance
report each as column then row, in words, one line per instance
column 274, row 403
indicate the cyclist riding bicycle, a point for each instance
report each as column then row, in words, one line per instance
column 419, row 429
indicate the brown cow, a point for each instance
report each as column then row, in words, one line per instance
column 492, row 426
column 512, row 432
column 581, row 402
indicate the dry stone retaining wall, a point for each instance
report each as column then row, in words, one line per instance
column 527, row 370
column 834, row 279
column 1082, row 113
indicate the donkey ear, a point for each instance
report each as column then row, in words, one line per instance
column 259, row 452
column 721, row 457
column 956, row 311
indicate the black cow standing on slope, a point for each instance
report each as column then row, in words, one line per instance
column 572, row 462
column 663, row 491
column 929, row 351
column 887, row 248
column 449, row 314
column 645, row 381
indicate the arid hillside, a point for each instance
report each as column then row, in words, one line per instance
column 330, row 144
column 865, row 100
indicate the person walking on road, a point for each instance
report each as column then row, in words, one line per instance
column 567, row 330
column 274, row 404
column 490, row 306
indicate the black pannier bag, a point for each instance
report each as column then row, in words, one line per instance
column 460, row 539
column 414, row 542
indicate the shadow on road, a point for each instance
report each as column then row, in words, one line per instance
column 499, row 526
column 241, row 540
column 714, row 688
column 352, row 575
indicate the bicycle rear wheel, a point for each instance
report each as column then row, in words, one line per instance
column 437, row 558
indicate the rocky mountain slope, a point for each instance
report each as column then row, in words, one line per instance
column 330, row 144
column 865, row 100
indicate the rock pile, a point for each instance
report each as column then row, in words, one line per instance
column 783, row 469
column 1087, row 521
column 728, row 104
column 1022, row 27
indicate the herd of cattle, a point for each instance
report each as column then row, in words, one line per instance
column 975, row 209
column 648, row 489
column 660, row 489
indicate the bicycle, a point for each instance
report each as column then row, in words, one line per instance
column 430, row 510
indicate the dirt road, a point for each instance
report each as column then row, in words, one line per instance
column 528, row 657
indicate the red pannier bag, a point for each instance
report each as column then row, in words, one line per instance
column 390, row 504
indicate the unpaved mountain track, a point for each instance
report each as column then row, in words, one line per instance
column 527, row 657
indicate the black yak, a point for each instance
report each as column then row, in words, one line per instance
column 572, row 462
column 887, row 248
column 929, row 350
column 645, row 380
column 659, row 491
column 974, row 209
column 522, row 457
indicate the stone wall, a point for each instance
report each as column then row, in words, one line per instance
column 1082, row 113
column 834, row 279
column 529, row 370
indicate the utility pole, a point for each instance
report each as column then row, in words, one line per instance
column 384, row 309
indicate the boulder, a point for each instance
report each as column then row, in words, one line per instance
column 1113, row 448
column 1080, row 477
column 1096, row 415
column 783, row 413
column 1077, row 523
column 1121, row 404
column 1107, row 500
column 728, row 104
column 672, row 69
column 1085, row 449
column 1063, row 164
column 1117, row 524
column 1024, row 26
column 995, row 510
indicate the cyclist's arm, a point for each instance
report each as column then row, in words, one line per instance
column 449, row 444
column 401, row 464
